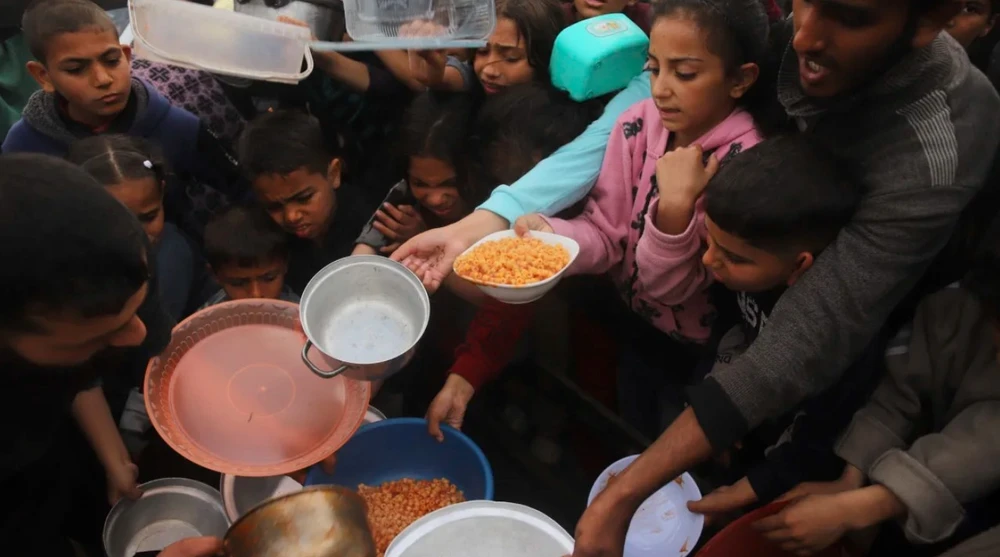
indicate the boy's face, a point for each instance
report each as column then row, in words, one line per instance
column 434, row 185
column 975, row 20
column 266, row 279
column 71, row 340
column 841, row 44
column 594, row 8
column 743, row 267
column 90, row 70
column 302, row 202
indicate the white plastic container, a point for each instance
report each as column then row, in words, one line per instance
column 483, row 529
column 663, row 525
column 529, row 292
column 219, row 41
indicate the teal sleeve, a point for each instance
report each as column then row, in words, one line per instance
column 564, row 178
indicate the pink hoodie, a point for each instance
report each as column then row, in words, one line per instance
column 660, row 276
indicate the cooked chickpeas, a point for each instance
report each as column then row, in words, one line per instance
column 393, row 506
column 512, row 262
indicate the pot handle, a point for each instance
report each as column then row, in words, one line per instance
column 316, row 370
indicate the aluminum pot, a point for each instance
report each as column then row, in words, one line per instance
column 324, row 521
column 365, row 314
column 324, row 17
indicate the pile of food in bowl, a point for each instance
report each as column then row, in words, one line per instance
column 394, row 505
column 512, row 262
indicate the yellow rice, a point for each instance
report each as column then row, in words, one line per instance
column 512, row 262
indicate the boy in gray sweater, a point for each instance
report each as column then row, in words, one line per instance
column 926, row 442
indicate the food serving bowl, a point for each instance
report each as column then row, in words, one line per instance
column 401, row 448
column 315, row 522
column 740, row 539
column 529, row 292
column 231, row 393
column 365, row 314
column 663, row 525
column 168, row 511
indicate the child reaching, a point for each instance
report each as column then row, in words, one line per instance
column 518, row 51
column 248, row 255
column 926, row 441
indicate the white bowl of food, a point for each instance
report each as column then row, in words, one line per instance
column 517, row 270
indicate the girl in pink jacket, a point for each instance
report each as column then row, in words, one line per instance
column 643, row 222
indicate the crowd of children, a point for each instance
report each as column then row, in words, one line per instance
column 793, row 203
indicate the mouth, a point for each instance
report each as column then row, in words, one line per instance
column 492, row 88
column 595, row 4
column 112, row 98
column 668, row 113
column 441, row 211
column 811, row 72
column 302, row 230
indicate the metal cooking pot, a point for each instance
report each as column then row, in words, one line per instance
column 324, row 17
column 366, row 315
column 325, row 521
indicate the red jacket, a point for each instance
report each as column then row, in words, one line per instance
column 491, row 341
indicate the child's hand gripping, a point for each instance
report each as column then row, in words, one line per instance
column 449, row 405
column 398, row 224
column 681, row 177
column 724, row 501
column 809, row 525
column 426, row 66
column 531, row 222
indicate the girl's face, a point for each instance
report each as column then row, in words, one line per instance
column 690, row 85
column 593, row 8
column 144, row 197
column 435, row 186
column 973, row 22
column 504, row 60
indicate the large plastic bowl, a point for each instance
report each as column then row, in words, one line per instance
column 739, row 539
column 401, row 448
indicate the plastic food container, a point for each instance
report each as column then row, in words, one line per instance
column 663, row 525
column 401, row 448
column 219, row 41
column 529, row 292
column 598, row 56
column 739, row 539
column 377, row 24
column 493, row 529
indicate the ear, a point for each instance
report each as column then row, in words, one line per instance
column 333, row 173
column 747, row 76
column 127, row 52
column 803, row 262
column 989, row 26
column 41, row 75
column 935, row 20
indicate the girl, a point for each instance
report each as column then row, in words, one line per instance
column 517, row 52
column 643, row 221
column 134, row 172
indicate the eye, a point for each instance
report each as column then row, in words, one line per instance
column 269, row 277
column 74, row 70
column 651, row 68
column 685, row 76
column 238, row 283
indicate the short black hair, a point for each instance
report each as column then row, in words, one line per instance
column 784, row 194
column 525, row 124
column 437, row 125
column 68, row 245
column 43, row 20
column 114, row 158
column 281, row 142
column 245, row 236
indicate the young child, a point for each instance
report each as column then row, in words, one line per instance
column 518, row 51
column 640, row 12
column 87, row 90
column 297, row 178
column 134, row 171
column 973, row 22
column 643, row 221
column 248, row 255
column 926, row 442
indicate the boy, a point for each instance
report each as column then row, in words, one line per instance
column 248, row 255
column 297, row 180
column 87, row 89
column 769, row 213
column 927, row 440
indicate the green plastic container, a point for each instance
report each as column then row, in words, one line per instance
column 598, row 56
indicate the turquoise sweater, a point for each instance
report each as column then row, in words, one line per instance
column 564, row 178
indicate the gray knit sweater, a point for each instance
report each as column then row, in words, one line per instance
column 921, row 139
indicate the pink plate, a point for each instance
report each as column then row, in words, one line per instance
column 232, row 394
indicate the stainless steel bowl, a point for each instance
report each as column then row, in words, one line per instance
column 324, row 521
column 365, row 314
column 169, row 510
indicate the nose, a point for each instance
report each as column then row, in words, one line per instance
column 132, row 334
column 292, row 215
column 661, row 87
column 809, row 34
column 102, row 78
column 436, row 199
column 255, row 289
column 492, row 68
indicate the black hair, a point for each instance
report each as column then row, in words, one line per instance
column 523, row 125
column 538, row 22
column 112, row 159
column 281, row 142
column 245, row 236
column 738, row 32
column 68, row 245
column 786, row 193
column 43, row 20
column 437, row 125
